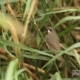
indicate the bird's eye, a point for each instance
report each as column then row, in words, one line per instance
column 50, row 29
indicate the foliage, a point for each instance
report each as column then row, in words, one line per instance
column 24, row 54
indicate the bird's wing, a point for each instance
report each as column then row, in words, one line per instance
column 53, row 45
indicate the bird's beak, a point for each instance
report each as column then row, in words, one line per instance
column 46, row 27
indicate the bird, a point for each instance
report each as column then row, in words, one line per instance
column 52, row 41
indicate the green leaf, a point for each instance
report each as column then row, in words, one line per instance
column 66, row 19
column 5, row 42
column 61, row 53
column 12, row 69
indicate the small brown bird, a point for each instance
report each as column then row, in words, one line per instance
column 52, row 40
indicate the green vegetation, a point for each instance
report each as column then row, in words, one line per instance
column 24, row 54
